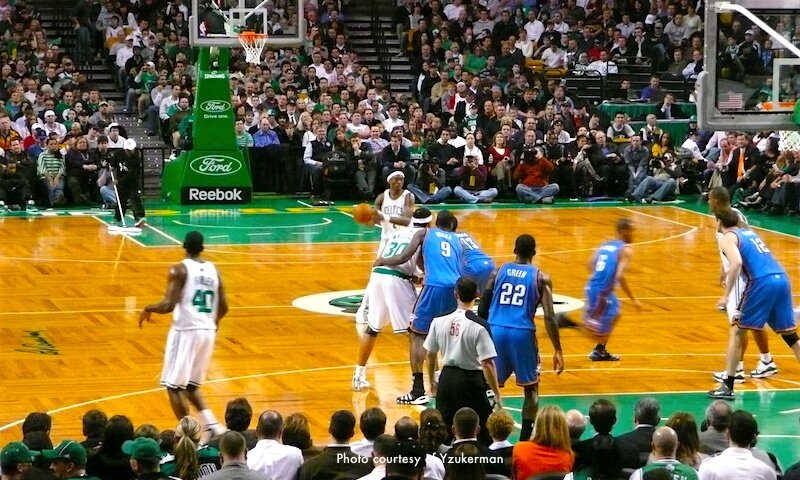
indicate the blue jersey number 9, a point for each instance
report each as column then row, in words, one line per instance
column 512, row 294
column 446, row 249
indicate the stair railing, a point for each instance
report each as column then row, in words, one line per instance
column 378, row 11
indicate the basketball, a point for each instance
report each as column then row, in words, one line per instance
column 363, row 213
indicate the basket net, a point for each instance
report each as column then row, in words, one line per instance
column 789, row 141
column 253, row 44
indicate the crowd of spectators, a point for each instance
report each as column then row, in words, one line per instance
column 489, row 115
column 723, row 446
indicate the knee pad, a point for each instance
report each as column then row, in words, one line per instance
column 372, row 333
column 790, row 338
column 191, row 388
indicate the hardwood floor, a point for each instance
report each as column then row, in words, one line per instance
column 71, row 294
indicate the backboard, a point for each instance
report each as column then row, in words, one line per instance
column 742, row 88
column 216, row 23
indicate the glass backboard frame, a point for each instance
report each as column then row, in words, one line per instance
column 708, row 115
column 232, row 40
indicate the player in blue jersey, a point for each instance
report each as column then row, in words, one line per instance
column 442, row 258
column 477, row 265
column 608, row 267
column 509, row 304
column 766, row 301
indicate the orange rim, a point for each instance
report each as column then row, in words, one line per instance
column 781, row 105
column 249, row 35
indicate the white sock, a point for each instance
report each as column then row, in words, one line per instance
column 207, row 417
column 765, row 357
column 361, row 370
column 740, row 366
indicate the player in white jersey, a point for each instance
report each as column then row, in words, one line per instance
column 394, row 208
column 196, row 298
column 392, row 294
column 718, row 200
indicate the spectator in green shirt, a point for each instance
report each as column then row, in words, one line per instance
column 665, row 445
column 243, row 137
column 52, row 170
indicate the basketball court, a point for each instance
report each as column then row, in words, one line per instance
column 72, row 294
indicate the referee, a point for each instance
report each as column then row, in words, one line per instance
column 467, row 356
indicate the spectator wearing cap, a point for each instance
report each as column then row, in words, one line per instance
column 233, row 450
column 51, row 125
column 145, row 458
column 115, row 140
column 160, row 91
column 103, row 114
column 52, row 171
column 127, row 172
column 103, row 157
column 15, row 461
column 39, row 145
column 123, row 54
column 69, row 461
column 138, row 94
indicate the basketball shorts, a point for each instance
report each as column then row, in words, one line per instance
column 480, row 271
column 432, row 302
column 391, row 300
column 187, row 357
column 767, row 301
column 601, row 311
column 518, row 353
column 734, row 299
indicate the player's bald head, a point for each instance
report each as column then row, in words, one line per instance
column 665, row 442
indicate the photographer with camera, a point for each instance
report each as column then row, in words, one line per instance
column 557, row 153
column 662, row 181
column 533, row 174
column 430, row 187
column 473, row 182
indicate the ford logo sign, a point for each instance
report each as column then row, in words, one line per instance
column 215, row 106
column 215, row 165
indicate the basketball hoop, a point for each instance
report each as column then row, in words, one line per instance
column 253, row 44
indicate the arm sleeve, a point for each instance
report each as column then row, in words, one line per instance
column 486, row 348
column 431, row 344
